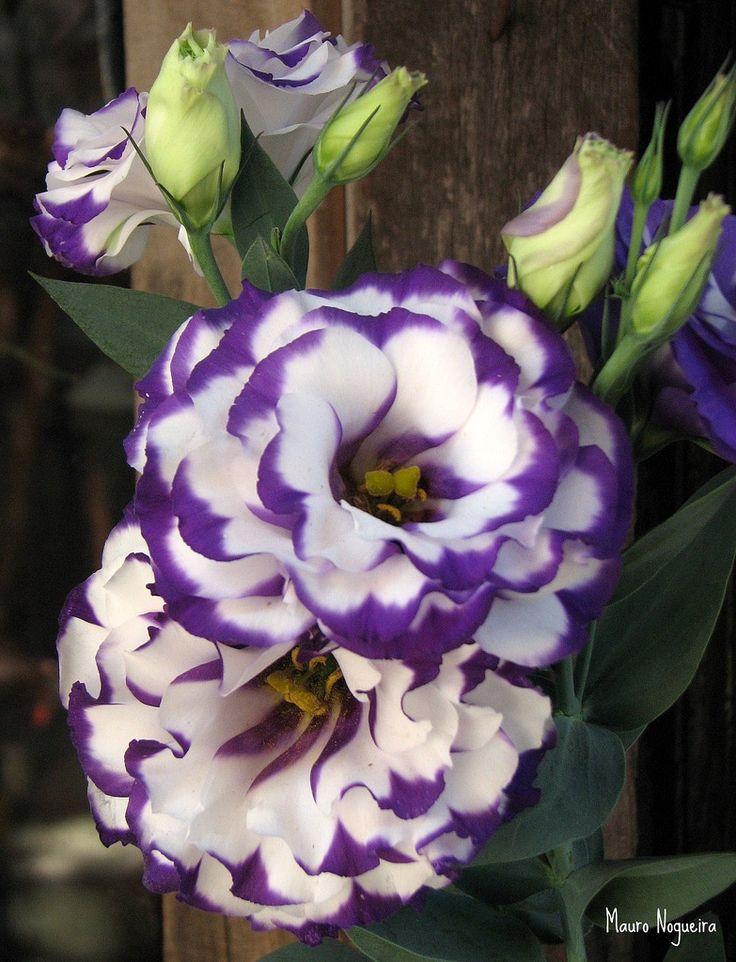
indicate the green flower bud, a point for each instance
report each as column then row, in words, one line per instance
column 672, row 273
column 646, row 182
column 192, row 128
column 562, row 247
column 704, row 130
column 359, row 135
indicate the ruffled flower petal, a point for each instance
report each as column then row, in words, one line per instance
column 304, row 786
column 412, row 455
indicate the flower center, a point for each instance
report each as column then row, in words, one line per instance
column 309, row 685
column 393, row 496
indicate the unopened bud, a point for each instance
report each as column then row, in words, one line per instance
column 192, row 133
column 705, row 129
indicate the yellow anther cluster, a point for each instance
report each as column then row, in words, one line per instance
column 307, row 686
column 398, row 492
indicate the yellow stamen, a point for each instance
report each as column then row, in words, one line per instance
column 283, row 683
column 317, row 660
column 391, row 510
column 379, row 484
column 332, row 680
column 295, row 659
column 406, row 482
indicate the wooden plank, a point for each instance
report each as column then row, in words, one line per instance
column 511, row 86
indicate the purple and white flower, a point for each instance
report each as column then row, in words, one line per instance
column 409, row 463
column 302, row 786
column 289, row 83
column 100, row 200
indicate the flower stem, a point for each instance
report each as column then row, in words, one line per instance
column 574, row 938
column 561, row 863
column 201, row 244
column 618, row 372
column 637, row 232
column 582, row 665
column 310, row 200
column 685, row 190
column 567, row 700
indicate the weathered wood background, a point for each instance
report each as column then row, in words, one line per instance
column 512, row 83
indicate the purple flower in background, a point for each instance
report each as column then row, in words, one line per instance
column 302, row 786
column 289, row 83
column 693, row 377
column 100, row 200
column 409, row 463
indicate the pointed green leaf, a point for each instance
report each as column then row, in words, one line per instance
column 639, row 889
column 328, row 951
column 130, row 327
column 360, row 259
column 266, row 269
column 451, row 928
column 261, row 201
column 580, row 780
column 504, row 882
column 697, row 946
column 652, row 636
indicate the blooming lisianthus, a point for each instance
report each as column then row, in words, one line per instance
column 99, row 200
column 692, row 378
column 409, row 463
column 302, row 786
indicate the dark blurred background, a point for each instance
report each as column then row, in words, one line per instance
column 64, row 411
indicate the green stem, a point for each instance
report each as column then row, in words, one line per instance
column 685, row 189
column 574, row 938
column 567, row 700
column 561, row 863
column 637, row 232
column 201, row 244
column 309, row 202
column 582, row 665
column 618, row 372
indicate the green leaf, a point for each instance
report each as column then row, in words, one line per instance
column 328, row 951
column 506, row 882
column 451, row 928
column 697, row 946
column 541, row 913
column 261, row 201
column 359, row 260
column 652, row 636
column 130, row 327
column 639, row 889
column 580, row 780
column 266, row 269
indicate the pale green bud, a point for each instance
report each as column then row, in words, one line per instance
column 705, row 129
column 359, row 135
column 562, row 247
column 646, row 181
column 193, row 125
column 671, row 273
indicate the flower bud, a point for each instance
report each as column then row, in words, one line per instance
column 193, row 125
column 646, row 182
column 703, row 132
column 561, row 248
column 672, row 273
column 359, row 135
